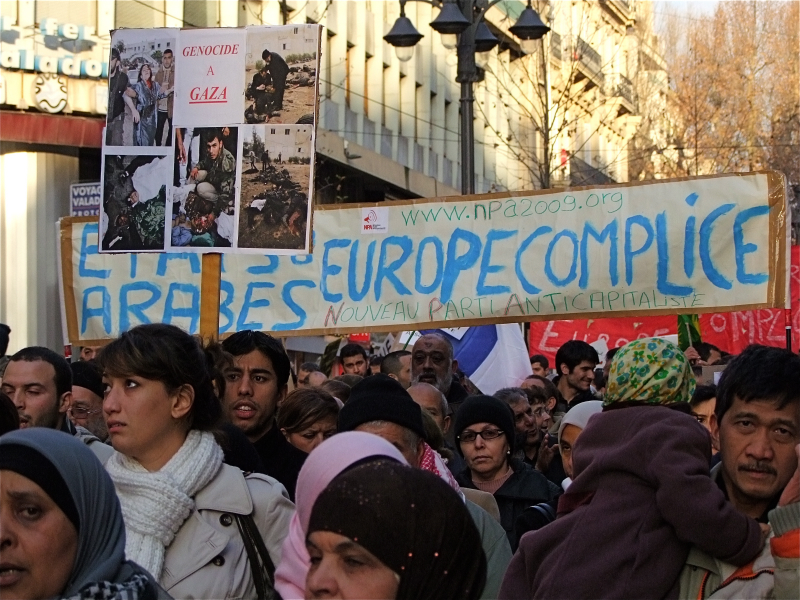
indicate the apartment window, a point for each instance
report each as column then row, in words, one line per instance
column 300, row 150
column 286, row 132
column 272, row 131
column 79, row 13
column 142, row 14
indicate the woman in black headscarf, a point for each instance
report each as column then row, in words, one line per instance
column 386, row 531
column 61, row 529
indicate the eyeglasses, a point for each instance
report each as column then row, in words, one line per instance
column 79, row 412
column 468, row 436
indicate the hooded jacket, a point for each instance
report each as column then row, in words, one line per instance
column 641, row 496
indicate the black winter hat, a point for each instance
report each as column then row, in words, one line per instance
column 485, row 409
column 87, row 375
column 381, row 398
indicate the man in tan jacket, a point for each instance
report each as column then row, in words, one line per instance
column 166, row 79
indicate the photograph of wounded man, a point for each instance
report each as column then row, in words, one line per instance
column 276, row 171
column 203, row 197
column 281, row 75
column 134, row 203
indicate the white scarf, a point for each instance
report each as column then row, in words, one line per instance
column 155, row 505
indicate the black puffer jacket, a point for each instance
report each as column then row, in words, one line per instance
column 524, row 488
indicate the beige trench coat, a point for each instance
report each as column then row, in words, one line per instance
column 207, row 558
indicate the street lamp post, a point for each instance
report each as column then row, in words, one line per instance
column 462, row 26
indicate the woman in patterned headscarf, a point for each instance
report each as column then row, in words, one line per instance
column 641, row 494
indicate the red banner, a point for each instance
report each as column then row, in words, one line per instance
column 731, row 332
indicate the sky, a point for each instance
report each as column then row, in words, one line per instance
column 698, row 7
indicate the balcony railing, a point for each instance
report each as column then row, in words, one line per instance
column 588, row 58
column 623, row 88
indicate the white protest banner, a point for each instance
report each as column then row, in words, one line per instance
column 684, row 246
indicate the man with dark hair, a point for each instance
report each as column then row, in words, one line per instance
column 304, row 371
column 540, row 365
column 397, row 365
column 39, row 382
column 117, row 85
column 555, row 404
column 375, row 364
column 5, row 331
column 278, row 70
column 607, row 364
column 215, row 173
column 381, row 406
column 756, row 426
column 166, row 79
column 527, row 422
column 259, row 89
column 575, row 363
column 703, row 403
column 354, row 359
column 709, row 353
column 255, row 385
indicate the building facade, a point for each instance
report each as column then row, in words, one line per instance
column 387, row 129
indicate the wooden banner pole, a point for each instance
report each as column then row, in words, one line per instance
column 209, row 295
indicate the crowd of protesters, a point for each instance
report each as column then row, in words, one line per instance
column 163, row 467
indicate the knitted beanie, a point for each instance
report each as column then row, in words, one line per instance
column 486, row 409
column 87, row 375
column 381, row 398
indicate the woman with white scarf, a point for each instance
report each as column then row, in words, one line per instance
column 193, row 522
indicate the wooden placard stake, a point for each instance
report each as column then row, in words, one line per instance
column 209, row 295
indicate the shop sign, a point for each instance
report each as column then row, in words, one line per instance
column 58, row 48
column 85, row 199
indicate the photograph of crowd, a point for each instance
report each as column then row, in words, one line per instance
column 277, row 163
column 141, row 86
column 204, row 187
column 134, row 202
column 281, row 74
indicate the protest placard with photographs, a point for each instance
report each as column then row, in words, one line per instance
column 141, row 86
column 275, row 199
column 281, row 74
column 134, row 202
column 198, row 87
column 204, row 189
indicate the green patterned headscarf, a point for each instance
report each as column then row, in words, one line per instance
column 651, row 371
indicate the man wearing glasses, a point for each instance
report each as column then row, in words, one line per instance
column 86, row 409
